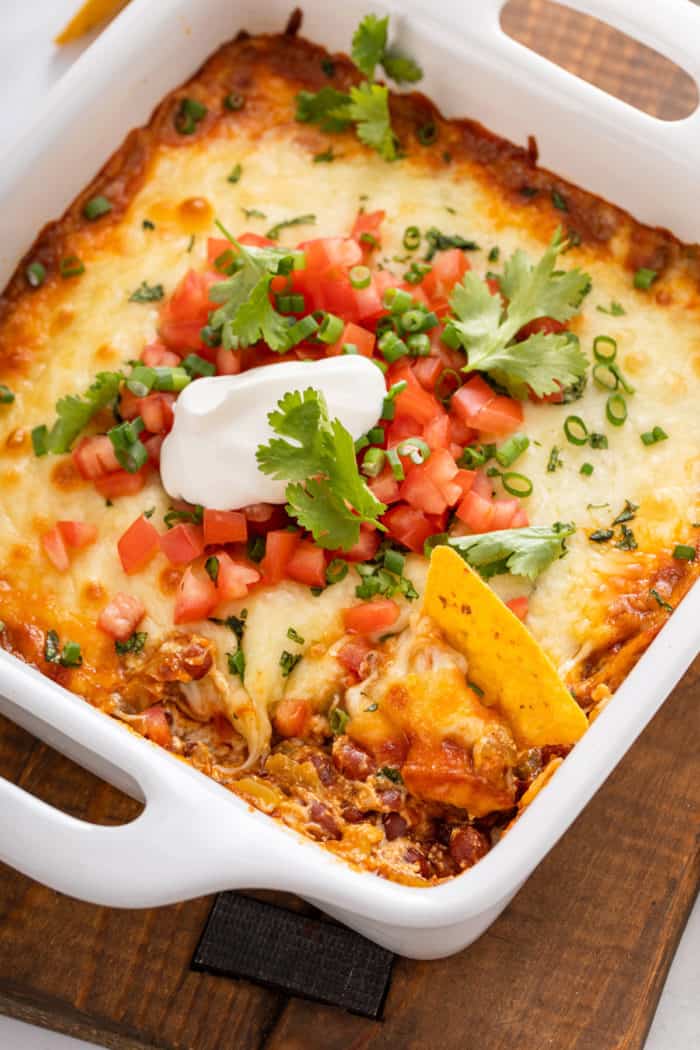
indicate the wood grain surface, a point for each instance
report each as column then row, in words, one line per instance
column 578, row 960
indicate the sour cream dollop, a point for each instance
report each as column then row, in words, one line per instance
column 209, row 455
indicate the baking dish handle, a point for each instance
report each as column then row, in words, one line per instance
column 176, row 849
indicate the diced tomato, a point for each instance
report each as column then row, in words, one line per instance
column 501, row 417
column 368, row 222
column 279, row 546
column 476, row 511
column 465, row 479
column 183, row 316
column 323, row 253
column 427, row 371
column 183, row 543
column 156, row 411
column 121, row 617
column 225, row 526
column 365, row 548
column 234, row 577
column 421, row 492
column 216, row 246
column 416, row 402
column 437, row 432
column 129, row 403
column 196, row 596
column 54, row 545
column 448, row 268
column 482, row 485
column 291, row 717
column 354, row 335
column 138, row 545
column 228, row 362
column 121, row 483
column 519, row 607
column 155, row 355
column 369, row 617
column 353, row 654
column 259, row 512
column 547, row 325
column 254, row 240
column 156, row 726
column 307, row 564
column 77, row 534
column 471, row 399
column 401, row 428
column 460, row 433
column 94, row 457
column 504, row 511
column 520, row 520
column 408, row 526
column 385, row 486
column 153, row 445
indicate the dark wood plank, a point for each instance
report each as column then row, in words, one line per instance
column 578, row 960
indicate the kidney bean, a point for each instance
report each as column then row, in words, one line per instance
column 414, row 856
column 352, row 760
column 467, row 846
column 353, row 815
column 322, row 765
column 325, row 820
column 391, row 798
column 394, row 826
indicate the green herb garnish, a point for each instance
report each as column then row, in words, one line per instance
column 147, row 293
column 133, row 644
column 288, row 662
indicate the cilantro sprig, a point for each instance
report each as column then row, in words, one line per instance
column 73, row 413
column 326, row 493
column 366, row 105
column 544, row 362
column 522, row 552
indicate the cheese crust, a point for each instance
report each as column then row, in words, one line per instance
column 594, row 612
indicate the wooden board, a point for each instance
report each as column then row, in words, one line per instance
column 578, row 960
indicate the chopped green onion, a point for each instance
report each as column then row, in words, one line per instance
column 576, row 430
column 336, row 571
column 652, row 437
column 290, row 304
column 133, row 644
column 96, row 207
column 234, row 101
column 512, row 449
column 394, row 562
column 616, row 410
column 71, row 655
column 558, row 201
column 615, row 309
column 360, row 277
column 475, row 456
column 373, row 462
column 6, row 395
column 298, row 220
column 294, row 636
column 211, row 566
column 427, row 134
column 600, row 355
column 331, row 329
column 601, row 535
column 376, row 435
column 389, row 408
column 189, row 114
column 130, row 452
column 392, row 456
column 236, row 663
column 586, row 469
column 255, row 548
column 644, row 278
column 416, row 272
column 417, row 450
column 412, row 320
column 494, row 254
column 288, row 662
column 684, row 552
column 450, row 337
column 605, row 377
column 337, row 720
column 555, row 461
column 411, row 238
column 35, row 274
column 398, row 300
column 235, row 174
column 327, row 157
column 71, row 266
column 598, row 440
column 195, row 366
column 304, row 327
column 418, row 345
column 516, row 484
column 147, row 293
column 148, row 225
column 391, row 347
column 369, row 239
column 653, row 593
column 350, row 348
column 40, row 440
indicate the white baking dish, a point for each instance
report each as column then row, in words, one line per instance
column 193, row 836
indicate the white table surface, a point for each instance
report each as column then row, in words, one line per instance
column 29, row 65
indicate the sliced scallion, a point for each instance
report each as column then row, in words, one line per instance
column 616, row 410
column 652, row 437
column 360, row 277
column 576, row 430
column 516, row 484
column 35, row 274
column 96, row 207
column 684, row 552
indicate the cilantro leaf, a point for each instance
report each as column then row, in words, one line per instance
column 545, row 362
column 522, row 552
column 326, row 494
column 401, row 68
column 324, row 108
column 369, row 108
column 369, row 44
column 75, row 412
column 246, row 314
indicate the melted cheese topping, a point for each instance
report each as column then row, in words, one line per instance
column 75, row 328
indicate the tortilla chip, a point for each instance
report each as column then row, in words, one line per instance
column 90, row 15
column 504, row 659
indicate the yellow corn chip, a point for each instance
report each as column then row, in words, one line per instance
column 504, row 658
column 90, row 14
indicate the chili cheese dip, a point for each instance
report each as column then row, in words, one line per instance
column 540, row 352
